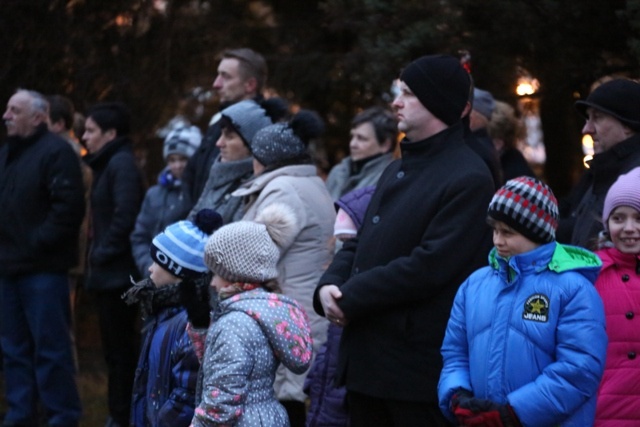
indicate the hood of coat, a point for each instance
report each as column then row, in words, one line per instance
column 282, row 321
column 551, row 256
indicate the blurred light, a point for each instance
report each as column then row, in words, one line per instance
column 587, row 145
column 527, row 86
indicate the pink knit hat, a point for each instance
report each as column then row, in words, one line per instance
column 624, row 192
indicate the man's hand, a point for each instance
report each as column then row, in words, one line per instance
column 329, row 296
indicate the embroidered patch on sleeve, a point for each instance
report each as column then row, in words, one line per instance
column 536, row 308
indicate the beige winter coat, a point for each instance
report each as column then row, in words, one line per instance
column 304, row 261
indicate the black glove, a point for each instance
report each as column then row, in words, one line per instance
column 482, row 412
column 196, row 303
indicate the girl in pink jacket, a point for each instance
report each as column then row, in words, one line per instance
column 619, row 286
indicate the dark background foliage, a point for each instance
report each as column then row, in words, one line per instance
column 335, row 56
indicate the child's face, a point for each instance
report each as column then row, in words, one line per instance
column 161, row 277
column 509, row 242
column 176, row 164
column 624, row 229
column 218, row 283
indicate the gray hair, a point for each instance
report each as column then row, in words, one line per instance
column 39, row 103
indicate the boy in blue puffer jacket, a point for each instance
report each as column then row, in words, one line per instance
column 526, row 343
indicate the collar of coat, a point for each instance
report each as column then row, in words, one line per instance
column 445, row 140
column 101, row 157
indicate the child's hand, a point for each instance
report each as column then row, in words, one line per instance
column 482, row 412
column 329, row 296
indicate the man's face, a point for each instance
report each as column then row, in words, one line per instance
column 605, row 130
column 19, row 118
column 229, row 83
column 413, row 118
column 364, row 143
column 231, row 146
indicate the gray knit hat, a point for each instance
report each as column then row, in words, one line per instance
column 483, row 102
column 282, row 142
column 248, row 251
column 183, row 140
column 247, row 118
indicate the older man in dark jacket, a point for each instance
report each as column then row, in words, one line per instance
column 42, row 206
column 613, row 121
column 424, row 232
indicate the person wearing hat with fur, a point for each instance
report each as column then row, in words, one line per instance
column 254, row 328
column 164, row 203
column 612, row 114
column 234, row 166
column 391, row 288
column 526, row 342
column 619, row 286
column 285, row 173
column 164, row 387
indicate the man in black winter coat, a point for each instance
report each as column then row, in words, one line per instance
column 424, row 232
column 242, row 74
column 42, row 206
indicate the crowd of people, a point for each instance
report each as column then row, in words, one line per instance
column 431, row 280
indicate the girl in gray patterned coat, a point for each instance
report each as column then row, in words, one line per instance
column 254, row 329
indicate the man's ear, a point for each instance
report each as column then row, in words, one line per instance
column 467, row 110
column 111, row 134
column 386, row 145
column 250, row 85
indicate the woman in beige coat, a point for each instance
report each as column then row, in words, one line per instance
column 284, row 173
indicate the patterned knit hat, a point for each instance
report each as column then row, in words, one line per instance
column 283, row 142
column 441, row 84
column 248, row 251
column 183, row 140
column 529, row 207
column 624, row 192
column 179, row 249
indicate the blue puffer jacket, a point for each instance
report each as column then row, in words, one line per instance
column 529, row 331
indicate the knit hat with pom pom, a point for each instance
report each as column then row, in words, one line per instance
column 282, row 143
column 248, row 251
column 179, row 249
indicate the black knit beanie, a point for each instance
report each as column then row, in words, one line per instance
column 441, row 84
column 618, row 98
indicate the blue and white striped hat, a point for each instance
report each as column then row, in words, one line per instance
column 179, row 249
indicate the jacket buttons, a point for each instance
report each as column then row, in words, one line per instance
column 631, row 355
column 625, row 277
column 375, row 219
column 400, row 174
column 629, row 315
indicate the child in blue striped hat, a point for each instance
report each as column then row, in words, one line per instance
column 165, row 382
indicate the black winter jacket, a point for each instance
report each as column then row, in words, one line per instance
column 581, row 213
column 424, row 232
column 41, row 204
column 116, row 196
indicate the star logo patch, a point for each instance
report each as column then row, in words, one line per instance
column 536, row 308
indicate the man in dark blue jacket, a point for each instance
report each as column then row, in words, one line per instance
column 424, row 232
column 42, row 199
